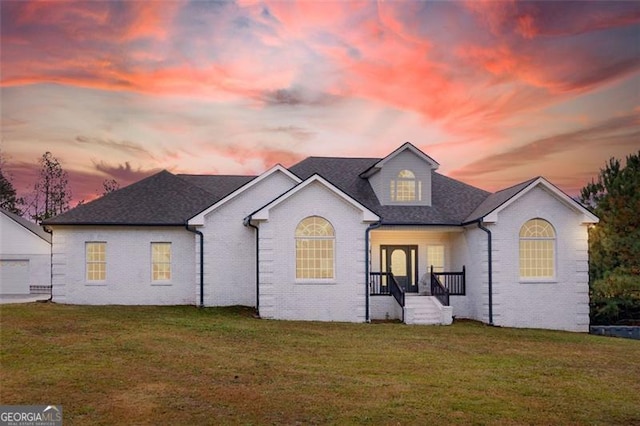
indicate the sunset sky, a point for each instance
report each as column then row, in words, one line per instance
column 496, row 92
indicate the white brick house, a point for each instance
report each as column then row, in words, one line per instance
column 333, row 239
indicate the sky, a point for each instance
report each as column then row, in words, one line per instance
column 496, row 91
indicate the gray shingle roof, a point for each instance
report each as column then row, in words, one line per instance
column 33, row 227
column 168, row 199
column 495, row 200
column 452, row 200
column 218, row 185
column 161, row 199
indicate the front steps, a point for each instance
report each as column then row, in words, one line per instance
column 426, row 310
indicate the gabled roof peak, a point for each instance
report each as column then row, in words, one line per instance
column 407, row 146
column 263, row 212
column 489, row 209
column 30, row 226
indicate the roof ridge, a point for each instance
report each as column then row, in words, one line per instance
column 461, row 182
column 528, row 181
column 340, row 158
column 213, row 175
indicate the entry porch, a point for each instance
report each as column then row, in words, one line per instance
column 415, row 272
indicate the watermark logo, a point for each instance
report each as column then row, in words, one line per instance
column 30, row 415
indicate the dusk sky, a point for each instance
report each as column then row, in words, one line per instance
column 496, row 92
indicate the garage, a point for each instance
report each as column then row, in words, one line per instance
column 14, row 277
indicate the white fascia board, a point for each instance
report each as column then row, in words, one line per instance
column 198, row 220
column 408, row 145
column 263, row 213
column 587, row 216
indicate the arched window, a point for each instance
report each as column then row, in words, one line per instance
column 405, row 187
column 315, row 246
column 537, row 249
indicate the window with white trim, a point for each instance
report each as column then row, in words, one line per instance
column 160, row 261
column 405, row 187
column 537, row 249
column 96, row 261
column 435, row 257
column 315, row 249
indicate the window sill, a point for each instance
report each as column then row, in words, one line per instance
column 161, row 284
column 96, row 284
column 316, row 282
column 538, row 281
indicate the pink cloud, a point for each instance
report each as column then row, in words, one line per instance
column 554, row 156
column 268, row 157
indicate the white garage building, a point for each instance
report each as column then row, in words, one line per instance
column 25, row 256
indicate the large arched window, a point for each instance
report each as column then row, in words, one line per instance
column 537, row 249
column 315, row 247
column 405, row 187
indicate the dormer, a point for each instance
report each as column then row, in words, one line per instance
column 403, row 178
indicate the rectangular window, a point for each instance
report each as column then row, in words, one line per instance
column 96, row 261
column 161, row 261
column 537, row 258
column 405, row 190
column 406, row 187
column 314, row 258
column 435, row 258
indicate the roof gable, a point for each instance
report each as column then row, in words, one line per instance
column 198, row 219
column 489, row 210
column 263, row 212
column 407, row 146
column 29, row 226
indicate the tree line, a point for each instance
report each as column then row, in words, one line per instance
column 51, row 194
column 614, row 243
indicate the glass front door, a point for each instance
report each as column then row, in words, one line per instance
column 401, row 262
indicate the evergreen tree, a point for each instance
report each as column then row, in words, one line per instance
column 614, row 243
column 9, row 199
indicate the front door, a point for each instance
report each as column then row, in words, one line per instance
column 401, row 262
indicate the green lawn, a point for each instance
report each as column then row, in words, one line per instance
column 183, row 365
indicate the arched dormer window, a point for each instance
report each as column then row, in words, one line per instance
column 537, row 249
column 405, row 187
column 315, row 247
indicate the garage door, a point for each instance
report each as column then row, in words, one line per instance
column 14, row 277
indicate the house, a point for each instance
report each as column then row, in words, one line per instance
column 334, row 239
column 25, row 256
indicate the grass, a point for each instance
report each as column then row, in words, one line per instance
column 183, row 365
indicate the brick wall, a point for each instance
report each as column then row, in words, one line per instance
column 230, row 254
column 282, row 296
column 128, row 277
column 561, row 303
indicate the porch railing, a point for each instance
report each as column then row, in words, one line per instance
column 379, row 284
column 438, row 290
column 384, row 283
column 455, row 282
column 396, row 290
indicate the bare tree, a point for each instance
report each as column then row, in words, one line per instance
column 51, row 192
column 109, row 185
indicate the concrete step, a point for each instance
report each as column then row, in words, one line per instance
column 424, row 310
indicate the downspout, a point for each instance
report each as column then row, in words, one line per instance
column 490, row 269
column 366, row 266
column 195, row 231
column 50, row 232
column 247, row 222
